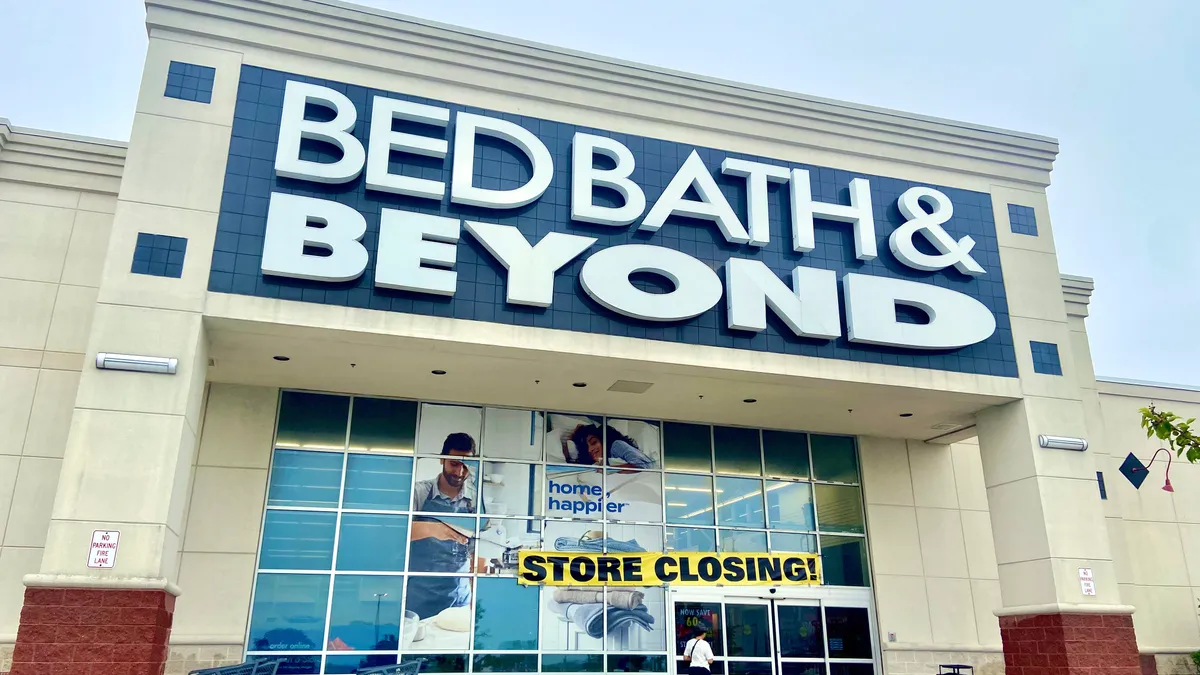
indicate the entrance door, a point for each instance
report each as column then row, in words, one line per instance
column 831, row 635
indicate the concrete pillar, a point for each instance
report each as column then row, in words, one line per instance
column 1048, row 524
column 133, row 436
column 1048, row 520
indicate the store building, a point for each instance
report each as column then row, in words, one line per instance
column 420, row 298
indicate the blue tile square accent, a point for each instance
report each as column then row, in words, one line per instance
column 190, row 82
column 1021, row 220
column 1100, row 482
column 159, row 255
column 1045, row 358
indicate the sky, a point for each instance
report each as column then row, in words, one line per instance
column 1116, row 82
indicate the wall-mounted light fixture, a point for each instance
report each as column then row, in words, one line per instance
column 1062, row 443
column 138, row 364
column 1167, row 487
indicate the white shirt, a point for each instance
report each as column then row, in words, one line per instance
column 699, row 651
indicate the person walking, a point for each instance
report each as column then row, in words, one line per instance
column 698, row 654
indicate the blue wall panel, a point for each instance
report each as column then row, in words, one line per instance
column 250, row 180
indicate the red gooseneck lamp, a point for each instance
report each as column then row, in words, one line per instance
column 1168, row 487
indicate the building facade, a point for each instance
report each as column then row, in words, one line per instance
column 369, row 308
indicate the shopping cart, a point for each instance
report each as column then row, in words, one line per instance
column 248, row 668
column 407, row 668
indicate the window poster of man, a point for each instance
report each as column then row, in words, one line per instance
column 438, row 600
column 500, row 539
column 437, row 421
column 442, row 544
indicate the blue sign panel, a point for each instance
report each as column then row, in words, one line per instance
column 479, row 291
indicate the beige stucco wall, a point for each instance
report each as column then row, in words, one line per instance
column 1157, row 534
column 933, row 562
column 57, row 196
column 221, row 531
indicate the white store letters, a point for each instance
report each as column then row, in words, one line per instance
column 417, row 252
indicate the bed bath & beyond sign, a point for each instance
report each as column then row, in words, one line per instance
column 417, row 252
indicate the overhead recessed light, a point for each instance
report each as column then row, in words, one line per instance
column 581, row 385
column 906, row 414
column 282, row 358
column 749, row 400
column 438, row 372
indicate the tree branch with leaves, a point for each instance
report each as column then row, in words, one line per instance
column 1174, row 430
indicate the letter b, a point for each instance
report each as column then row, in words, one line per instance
column 288, row 233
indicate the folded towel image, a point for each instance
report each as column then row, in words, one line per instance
column 590, row 617
column 617, row 597
column 582, row 545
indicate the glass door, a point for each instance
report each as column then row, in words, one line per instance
column 801, row 637
column 831, row 635
column 689, row 614
column 749, row 637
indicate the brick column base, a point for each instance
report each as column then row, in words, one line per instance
column 84, row 631
column 1069, row 644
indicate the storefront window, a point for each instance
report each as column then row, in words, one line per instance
column 689, row 499
column 352, row 663
column 839, row 509
column 297, row 540
column 377, row 482
column 383, row 425
column 849, row 632
column 513, row 434
column 636, row 663
column 810, row 669
column 439, row 663
column 295, row 664
column 365, row 613
column 834, row 459
column 785, row 454
column 740, row 502
column 634, row 495
column 572, row 663
column 844, row 561
column 688, row 446
column 741, row 541
column 372, row 542
column 851, row 669
column 787, row 542
column 393, row 528
column 506, row 615
column 737, row 451
column 312, row 421
column 289, row 612
column 307, row 479
column 790, row 506
column 800, row 632
column 637, row 619
column 505, row 663
column 691, row 539
column 626, row 538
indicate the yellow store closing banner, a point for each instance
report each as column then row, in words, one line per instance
column 678, row 569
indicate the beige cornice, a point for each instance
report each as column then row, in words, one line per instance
column 60, row 160
column 391, row 42
column 1077, row 292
